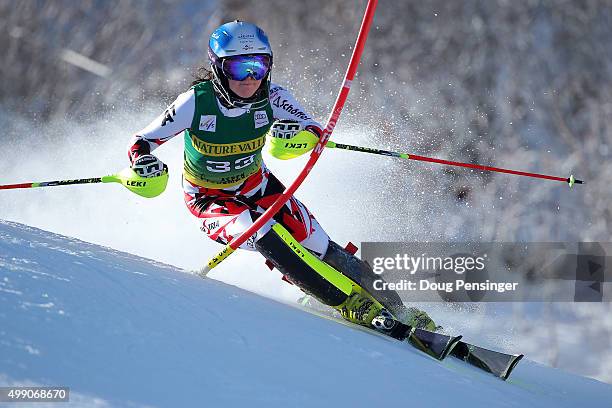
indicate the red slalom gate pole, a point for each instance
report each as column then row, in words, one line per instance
column 316, row 153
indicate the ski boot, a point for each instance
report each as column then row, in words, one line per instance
column 361, row 273
column 362, row 309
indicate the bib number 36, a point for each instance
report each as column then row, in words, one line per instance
column 225, row 166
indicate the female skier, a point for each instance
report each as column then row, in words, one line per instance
column 225, row 117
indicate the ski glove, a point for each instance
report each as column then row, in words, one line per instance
column 148, row 165
column 288, row 139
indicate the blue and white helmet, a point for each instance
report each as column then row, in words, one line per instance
column 234, row 39
column 238, row 38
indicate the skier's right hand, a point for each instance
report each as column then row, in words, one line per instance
column 148, row 165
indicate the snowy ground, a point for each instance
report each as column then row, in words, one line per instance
column 120, row 330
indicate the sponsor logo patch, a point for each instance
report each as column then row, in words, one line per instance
column 228, row 149
column 261, row 119
column 251, row 242
column 210, row 227
column 208, row 123
column 287, row 106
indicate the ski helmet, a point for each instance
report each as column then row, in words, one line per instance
column 236, row 51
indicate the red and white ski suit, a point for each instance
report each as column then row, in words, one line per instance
column 226, row 212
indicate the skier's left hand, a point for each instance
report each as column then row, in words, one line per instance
column 148, row 165
column 288, row 139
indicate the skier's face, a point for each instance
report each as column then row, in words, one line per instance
column 246, row 88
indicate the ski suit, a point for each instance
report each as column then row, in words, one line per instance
column 226, row 183
column 227, row 187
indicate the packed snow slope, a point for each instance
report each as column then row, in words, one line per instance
column 121, row 330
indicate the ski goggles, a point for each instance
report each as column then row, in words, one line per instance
column 241, row 67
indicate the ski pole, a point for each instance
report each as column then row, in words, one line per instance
column 569, row 180
column 145, row 187
column 51, row 183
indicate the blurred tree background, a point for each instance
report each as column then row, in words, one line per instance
column 522, row 84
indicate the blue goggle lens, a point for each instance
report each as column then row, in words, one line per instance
column 241, row 67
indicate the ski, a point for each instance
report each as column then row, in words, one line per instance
column 437, row 345
column 494, row 362
column 440, row 345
